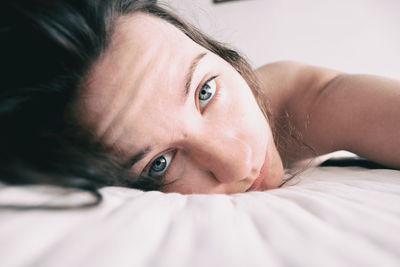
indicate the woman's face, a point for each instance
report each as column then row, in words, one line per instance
column 178, row 112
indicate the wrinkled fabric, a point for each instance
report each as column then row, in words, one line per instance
column 323, row 217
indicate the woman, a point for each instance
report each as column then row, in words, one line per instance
column 120, row 92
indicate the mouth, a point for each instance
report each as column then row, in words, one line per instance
column 257, row 182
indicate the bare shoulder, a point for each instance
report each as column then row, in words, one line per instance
column 284, row 82
column 290, row 89
column 333, row 111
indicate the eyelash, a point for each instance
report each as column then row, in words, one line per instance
column 216, row 93
column 166, row 172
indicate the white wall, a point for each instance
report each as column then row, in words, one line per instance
column 361, row 36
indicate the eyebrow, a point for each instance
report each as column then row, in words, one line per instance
column 137, row 157
column 188, row 78
column 189, row 74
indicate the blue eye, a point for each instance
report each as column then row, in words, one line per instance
column 160, row 165
column 206, row 92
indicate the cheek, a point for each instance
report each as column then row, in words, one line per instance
column 247, row 118
column 243, row 108
column 193, row 181
column 241, row 95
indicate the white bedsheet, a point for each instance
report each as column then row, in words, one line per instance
column 331, row 217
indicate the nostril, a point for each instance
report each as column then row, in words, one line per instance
column 213, row 176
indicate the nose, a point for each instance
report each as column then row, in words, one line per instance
column 224, row 154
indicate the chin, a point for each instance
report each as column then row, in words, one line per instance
column 274, row 180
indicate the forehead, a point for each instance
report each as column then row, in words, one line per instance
column 145, row 56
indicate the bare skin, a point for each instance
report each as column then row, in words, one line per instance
column 337, row 111
column 188, row 117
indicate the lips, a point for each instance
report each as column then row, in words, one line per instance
column 257, row 182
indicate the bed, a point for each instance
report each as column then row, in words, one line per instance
column 326, row 216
